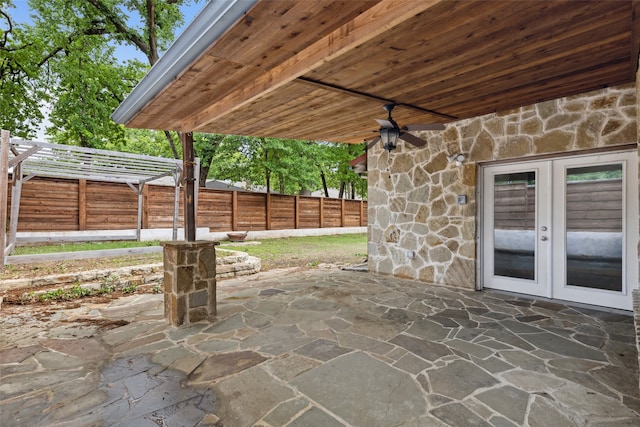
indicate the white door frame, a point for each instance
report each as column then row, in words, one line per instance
column 622, row 300
column 549, row 281
column 538, row 286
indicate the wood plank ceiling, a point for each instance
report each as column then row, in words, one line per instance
column 321, row 70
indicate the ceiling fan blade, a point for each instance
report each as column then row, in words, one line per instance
column 385, row 123
column 372, row 142
column 413, row 140
column 425, row 126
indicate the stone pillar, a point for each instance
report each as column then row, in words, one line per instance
column 189, row 281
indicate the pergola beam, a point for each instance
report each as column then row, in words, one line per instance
column 364, row 27
column 14, row 161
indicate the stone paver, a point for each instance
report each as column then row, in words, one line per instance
column 323, row 348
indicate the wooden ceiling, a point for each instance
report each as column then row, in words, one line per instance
column 322, row 70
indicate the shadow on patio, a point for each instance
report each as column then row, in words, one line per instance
column 324, row 348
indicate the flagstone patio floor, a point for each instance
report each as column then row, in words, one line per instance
column 323, row 348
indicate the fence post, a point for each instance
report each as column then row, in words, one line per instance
column 82, row 204
column 234, row 211
column 321, row 212
column 342, row 213
column 145, row 207
column 268, row 211
column 361, row 212
column 296, row 208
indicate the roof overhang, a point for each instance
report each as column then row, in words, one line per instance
column 322, row 70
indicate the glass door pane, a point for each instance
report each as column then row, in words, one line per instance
column 514, row 217
column 594, row 226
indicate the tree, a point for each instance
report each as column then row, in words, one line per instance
column 89, row 87
column 70, row 51
column 208, row 146
column 21, row 91
column 341, row 176
column 141, row 141
column 285, row 165
column 67, row 60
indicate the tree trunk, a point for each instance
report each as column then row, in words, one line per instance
column 267, row 172
column 324, row 183
column 172, row 144
column 341, row 193
column 204, row 173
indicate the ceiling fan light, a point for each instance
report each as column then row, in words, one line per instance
column 389, row 137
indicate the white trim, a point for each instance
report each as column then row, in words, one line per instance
column 215, row 18
column 631, row 236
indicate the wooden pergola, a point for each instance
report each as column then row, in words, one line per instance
column 28, row 159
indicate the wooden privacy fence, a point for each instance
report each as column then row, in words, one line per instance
column 52, row 204
column 590, row 206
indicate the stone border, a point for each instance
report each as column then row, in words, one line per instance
column 151, row 271
column 237, row 264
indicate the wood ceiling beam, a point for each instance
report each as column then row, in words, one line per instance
column 364, row 27
column 369, row 96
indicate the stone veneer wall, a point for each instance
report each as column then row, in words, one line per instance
column 412, row 191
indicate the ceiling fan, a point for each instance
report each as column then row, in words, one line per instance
column 390, row 131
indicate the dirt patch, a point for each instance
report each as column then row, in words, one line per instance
column 18, row 301
column 27, row 296
column 102, row 324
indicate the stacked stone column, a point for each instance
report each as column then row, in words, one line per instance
column 189, row 281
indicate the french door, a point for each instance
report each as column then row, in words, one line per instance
column 564, row 228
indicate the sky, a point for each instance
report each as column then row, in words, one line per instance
column 21, row 13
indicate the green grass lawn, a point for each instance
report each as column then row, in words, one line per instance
column 76, row 247
column 274, row 253
column 307, row 251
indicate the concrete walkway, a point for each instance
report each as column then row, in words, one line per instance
column 323, row 348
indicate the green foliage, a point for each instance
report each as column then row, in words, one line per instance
column 142, row 141
column 78, row 291
column 90, row 87
column 22, row 91
column 66, row 60
column 110, row 282
column 65, row 294
column 285, row 166
column 130, row 289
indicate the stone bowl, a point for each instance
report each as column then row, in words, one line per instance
column 237, row 236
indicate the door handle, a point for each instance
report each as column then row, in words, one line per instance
column 543, row 228
column 544, row 238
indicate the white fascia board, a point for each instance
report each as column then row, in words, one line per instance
column 215, row 18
